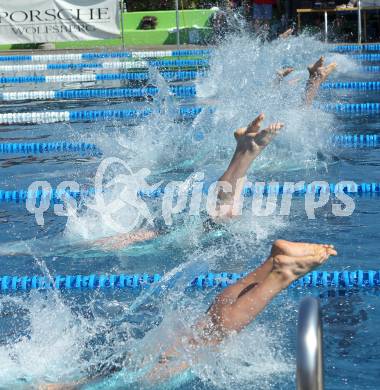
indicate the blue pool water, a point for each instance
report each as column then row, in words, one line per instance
column 59, row 336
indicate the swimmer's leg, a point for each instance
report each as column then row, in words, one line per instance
column 282, row 73
column 123, row 240
column 239, row 304
column 279, row 247
column 226, row 317
column 251, row 141
column 286, row 34
column 317, row 75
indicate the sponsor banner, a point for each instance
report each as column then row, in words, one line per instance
column 38, row 21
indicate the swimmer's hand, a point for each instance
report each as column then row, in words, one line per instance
column 252, row 139
column 287, row 33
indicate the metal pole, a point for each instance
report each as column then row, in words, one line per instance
column 177, row 22
column 121, row 6
column 359, row 21
column 326, row 27
column 309, row 346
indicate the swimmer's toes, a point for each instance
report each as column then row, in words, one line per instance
column 314, row 68
column 240, row 132
column 254, row 126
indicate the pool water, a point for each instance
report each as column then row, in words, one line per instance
column 49, row 337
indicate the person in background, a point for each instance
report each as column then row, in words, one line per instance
column 235, row 4
column 262, row 14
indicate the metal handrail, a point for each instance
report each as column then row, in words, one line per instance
column 309, row 346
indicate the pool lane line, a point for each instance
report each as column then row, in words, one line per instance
column 356, row 48
column 352, row 85
column 184, row 112
column 349, row 108
column 131, row 76
column 343, row 140
column 108, row 54
column 54, row 196
column 182, row 91
column 356, row 140
column 107, row 65
column 366, row 57
column 93, row 115
column 315, row 279
column 49, row 147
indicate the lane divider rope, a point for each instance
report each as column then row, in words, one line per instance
column 132, row 76
column 345, row 140
column 366, row 57
column 183, row 113
column 91, row 115
column 271, row 188
column 357, row 85
column 370, row 69
column 106, row 65
column 43, row 147
column 105, row 93
column 178, row 90
column 110, row 54
column 355, row 48
column 351, row 108
column 315, row 279
column 355, row 140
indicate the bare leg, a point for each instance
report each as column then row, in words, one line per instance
column 279, row 247
column 123, row 240
column 286, row 34
column 225, row 318
column 238, row 305
column 251, row 141
column 317, row 75
column 282, row 73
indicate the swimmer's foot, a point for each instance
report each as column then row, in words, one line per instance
column 287, row 33
column 319, row 73
column 287, row 269
column 288, row 248
column 282, row 73
column 252, row 139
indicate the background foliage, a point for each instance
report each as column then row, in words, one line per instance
column 154, row 5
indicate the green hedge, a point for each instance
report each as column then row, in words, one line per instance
column 157, row 5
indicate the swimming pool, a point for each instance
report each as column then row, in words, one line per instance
column 56, row 336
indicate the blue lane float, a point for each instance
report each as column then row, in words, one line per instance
column 351, row 108
column 370, row 69
column 366, row 57
column 356, row 48
column 182, row 91
column 355, row 85
column 109, row 54
column 184, row 112
column 130, row 76
column 105, row 65
column 10, row 118
column 315, row 279
column 356, row 140
column 18, row 196
column 49, row 147
column 347, row 140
